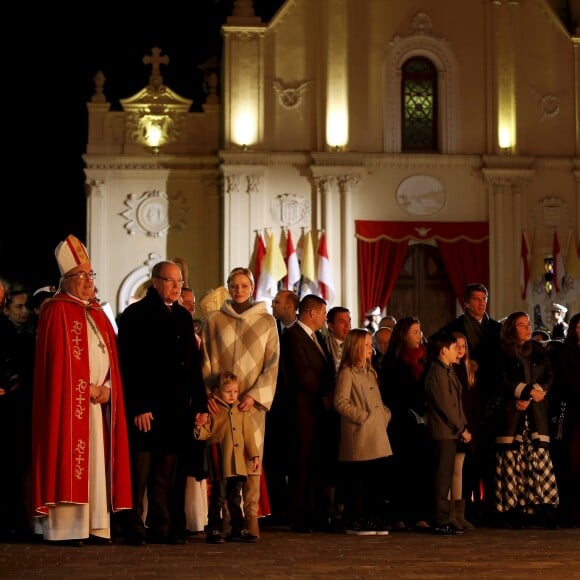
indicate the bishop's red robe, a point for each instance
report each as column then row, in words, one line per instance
column 61, row 399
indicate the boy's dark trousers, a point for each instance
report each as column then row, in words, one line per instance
column 444, row 451
column 226, row 492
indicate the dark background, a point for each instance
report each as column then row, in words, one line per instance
column 48, row 79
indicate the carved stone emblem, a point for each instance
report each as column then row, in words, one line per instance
column 290, row 95
column 290, row 209
column 420, row 195
column 149, row 213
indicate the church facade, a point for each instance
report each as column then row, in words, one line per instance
column 383, row 124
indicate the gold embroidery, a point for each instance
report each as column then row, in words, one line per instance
column 80, row 398
column 77, row 350
column 80, row 458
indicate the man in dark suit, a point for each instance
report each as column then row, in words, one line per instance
column 483, row 339
column 276, row 444
column 313, row 437
column 164, row 389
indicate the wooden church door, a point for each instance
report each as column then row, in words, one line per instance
column 423, row 290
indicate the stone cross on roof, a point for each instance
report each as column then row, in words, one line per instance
column 155, row 79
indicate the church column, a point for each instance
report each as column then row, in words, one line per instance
column 327, row 218
column 497, row 245
column 505, row 227
column 97, row 224
column 347, row 185
column 337, row 128
column 577, row 176
column 243, row 209
column 326, row 208
column 505, row 26
column 234, row 208
column 576, row 42
column 243, row 82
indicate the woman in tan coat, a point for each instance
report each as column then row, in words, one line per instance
column 364, row 443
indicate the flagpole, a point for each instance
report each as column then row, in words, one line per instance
column 301, row 262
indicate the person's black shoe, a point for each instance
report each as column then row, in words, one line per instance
column 214, row 537
column 548, row 517
column 516, row 520
column 135, row 540
column 98, row 541
column 169, row 539
column 447, row 530
column 77, row 543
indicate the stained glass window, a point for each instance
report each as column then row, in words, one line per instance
column 419, row 101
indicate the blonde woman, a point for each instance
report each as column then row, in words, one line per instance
column 242, row 337
column 364, row 443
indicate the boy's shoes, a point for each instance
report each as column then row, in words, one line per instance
column 214, row 537
column 242, row 535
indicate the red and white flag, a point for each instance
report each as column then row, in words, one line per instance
column 559, row 271
column 257, row 260
column 524, row 266
column 324, row 271
column 292, row 265
column 308, row 284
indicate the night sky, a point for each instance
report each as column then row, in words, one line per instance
column 48, row 79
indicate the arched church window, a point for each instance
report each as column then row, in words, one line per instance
column 419, row 105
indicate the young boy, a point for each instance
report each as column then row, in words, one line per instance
column 230, row 440
column 446, row 423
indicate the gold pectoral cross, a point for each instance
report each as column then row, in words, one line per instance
column 100, row 343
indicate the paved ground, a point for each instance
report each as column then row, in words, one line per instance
column 483, row 553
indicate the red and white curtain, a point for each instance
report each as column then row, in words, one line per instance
column 382, row 247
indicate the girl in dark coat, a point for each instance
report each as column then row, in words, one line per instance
column 402, row 388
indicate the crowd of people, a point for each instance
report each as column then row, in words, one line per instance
column 156, row 425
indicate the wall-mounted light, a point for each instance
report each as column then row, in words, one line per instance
column 244, row 133
column 337, row 130
column 505, row 140
column 548, row 274
column 155, row 130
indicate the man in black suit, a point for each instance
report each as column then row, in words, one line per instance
column 164, row 389
column 313, row 433
column 276, row 444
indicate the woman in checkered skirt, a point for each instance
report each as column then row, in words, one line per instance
column 526, row 489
